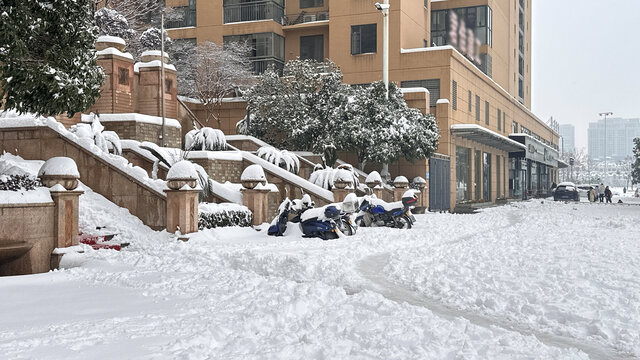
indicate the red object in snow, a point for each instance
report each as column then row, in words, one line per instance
column 97, row 242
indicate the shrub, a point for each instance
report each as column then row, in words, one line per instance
column 18, row 182
column 223, row 215
column 282, row 158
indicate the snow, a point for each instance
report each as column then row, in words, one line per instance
column 15, row 165
column 342, row 175
column 442, row 101
column 182, row 170
column 220, row 208
column 10, row 119
column 227, row 191
column 419, row 180
column 215, row 155
column 282, row 158
column 374, row 176
column 57, row 188
column 59, row 165
column 114, row 51
column 153, row 53
column 39, row 195
column 110, row 39
column 141, row 118
column 414, row 90
column 152, row 64
column 401, row 179
column 530, row 280
column 253, row 173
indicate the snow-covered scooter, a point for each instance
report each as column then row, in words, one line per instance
column 377, row 212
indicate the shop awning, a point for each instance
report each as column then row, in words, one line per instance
column 562, row 164
column 486, row 137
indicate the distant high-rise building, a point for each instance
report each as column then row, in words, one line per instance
column 619, row 135
column 568, row 141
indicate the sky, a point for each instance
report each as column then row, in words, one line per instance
column 585, row 61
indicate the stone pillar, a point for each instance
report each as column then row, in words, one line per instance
column 149, row 86
column 117, row 94
column 400, row 186
column 340, row 194
column 182, row 211
column 378, row 191
column 65, row 219
column 257, row 200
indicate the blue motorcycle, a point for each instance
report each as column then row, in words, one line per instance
column 376, row 212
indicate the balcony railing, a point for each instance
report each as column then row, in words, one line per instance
column 261, row 65
column 265, row 10
column 305, row 17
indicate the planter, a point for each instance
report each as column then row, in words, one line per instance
column 401, row 185
column 69, row 182
column 373, row 184
column 177, row 184
column 251, row 184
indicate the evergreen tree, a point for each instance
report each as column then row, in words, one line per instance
column 151, row 39
column 635, row 172
column 111, row 22
column 47, row 60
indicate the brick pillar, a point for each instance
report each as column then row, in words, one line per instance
column 257, row 200
column 340, row 194
column 182, row 211
column 66, row 217
column 117, row 90
column 378, row 192
column 149, row 86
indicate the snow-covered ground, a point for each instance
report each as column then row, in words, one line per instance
column 529, row 280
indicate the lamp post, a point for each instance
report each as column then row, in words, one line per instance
column 384, row 9
column 605, row 114
column 162, row 143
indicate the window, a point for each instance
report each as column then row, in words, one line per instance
column 312, row 47
column 499, row 119
column 498, row 189
column 268, row 49
column 486, row 177
column 514, row 126
column 187, row 16
column 310, row 3
column 486, row 112
column 463, row 174
column 123, row 76
column 477, row 108
column 364, row 39
column 433, row 85
column 454, row 95
column 504, row 121
column 168, row 85
column 470, row 104
column 521, row 89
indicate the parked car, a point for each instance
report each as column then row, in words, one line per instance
column 566, row 191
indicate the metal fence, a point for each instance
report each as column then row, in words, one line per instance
column 265, row 10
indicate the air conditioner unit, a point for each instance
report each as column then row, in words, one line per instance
column 309, row 18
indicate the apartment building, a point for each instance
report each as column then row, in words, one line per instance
column 567, row 138
column 475, row 54
column 612, row 138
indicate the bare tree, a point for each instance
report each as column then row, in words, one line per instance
column 219, row 72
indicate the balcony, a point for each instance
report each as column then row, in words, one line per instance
column 254, row 11
column 260, row 65
column 305, row 18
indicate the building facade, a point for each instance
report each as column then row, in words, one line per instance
column 567, row 138
column 471, row 57
column 613, row 139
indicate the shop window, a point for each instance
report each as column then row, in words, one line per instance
column 123, row 76
column 364, row 39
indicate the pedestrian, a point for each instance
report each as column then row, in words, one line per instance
column 624, row 190
column 601, row 192
column 592, row 194
column 637, row 192
column 608, row 194
column 597, row 191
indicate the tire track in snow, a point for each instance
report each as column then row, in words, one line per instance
column 370, row 267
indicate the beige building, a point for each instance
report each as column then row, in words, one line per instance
column 473, row 57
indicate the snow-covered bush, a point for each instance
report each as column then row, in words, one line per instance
column 110, row 22
column 326, row 178
column 151, row 39
column 107, row 141
column 282, row 158
column 18, row 182
column 205, row 139
column 222, row 215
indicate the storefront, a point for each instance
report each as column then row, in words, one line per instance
column 533, row 170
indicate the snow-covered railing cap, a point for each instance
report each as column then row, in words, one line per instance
column 442, row 101
column 252, row 176
column 59, row 171
column 373, row 178
column 400, row 182
column 106, row 41
column 342, row 178
column 151, row 55
column 180, row 174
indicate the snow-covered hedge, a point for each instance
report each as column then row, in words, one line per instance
column 205, row 139
column 281, row 158
column 18, row 182
column 223, row 215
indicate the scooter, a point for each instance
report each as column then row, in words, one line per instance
column 376, row 212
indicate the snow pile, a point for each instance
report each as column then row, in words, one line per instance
column 110, row 39
column 419, row 180
column 134, row 117
column 373, row 177
column 343, row 175
column 36, row 196
column 326, row 177
column 182, row 170
column 253, row 173
column 282, row 158
column 18, row 184
column 60, row 166
column 114, row 51
column 400, row 180
column 15, row 165
column 205, row 139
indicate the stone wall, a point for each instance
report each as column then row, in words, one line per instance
column 43, row 143
column 142, row 131
column 27, row 238
column 221, row 170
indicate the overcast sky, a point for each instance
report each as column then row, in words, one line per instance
column 586, row 60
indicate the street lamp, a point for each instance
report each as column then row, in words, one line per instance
column 605, row 114
column 384, row 9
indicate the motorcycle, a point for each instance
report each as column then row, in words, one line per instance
column 376, row 212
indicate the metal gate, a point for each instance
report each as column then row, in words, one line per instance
column 439, row 184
